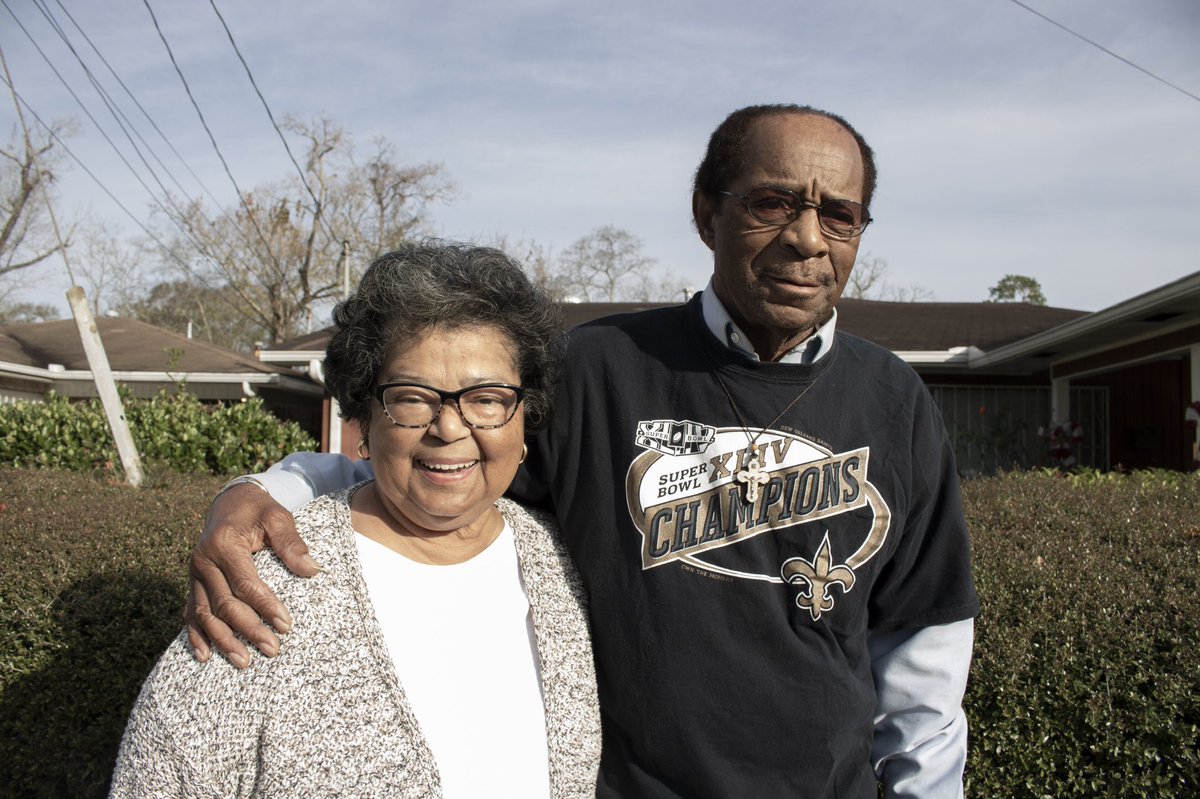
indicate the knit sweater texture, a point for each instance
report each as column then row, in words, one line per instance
column 327, row 716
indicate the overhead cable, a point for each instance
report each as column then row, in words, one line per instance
column 137, row 176
column 303, row 178
column 51, row 132
column 103, row 133
column 220, row 156
column 127, row 124
column 123, row 122
column 179, row 217
column 1101, row 47
column 140, row 107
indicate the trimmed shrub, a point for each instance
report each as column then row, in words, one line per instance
column 92, row 582
column 1086, row 679
column 172, row 429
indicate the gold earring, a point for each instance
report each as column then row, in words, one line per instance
column 524, row 453
column 362, row 444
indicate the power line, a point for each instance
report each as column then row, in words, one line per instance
column 167, row 250
column 54, row 135
column 213, row 140
column 179, row 217
column 137, row 176
column 303, row 179
column 104, row 134
column 1102, row 48
column 140, row 107
column 176, row 216
column 177, row 222
column 123, row 122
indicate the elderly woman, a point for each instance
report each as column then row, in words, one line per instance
column 443, row 650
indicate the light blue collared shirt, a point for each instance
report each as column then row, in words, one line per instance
column 718, row 320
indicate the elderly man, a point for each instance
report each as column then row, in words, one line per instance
column 765, row 512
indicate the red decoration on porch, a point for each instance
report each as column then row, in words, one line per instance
column 1063, row 440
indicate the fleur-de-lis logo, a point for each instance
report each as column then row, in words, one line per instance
column 818, row 577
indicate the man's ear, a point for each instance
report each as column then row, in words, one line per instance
column 702, row 216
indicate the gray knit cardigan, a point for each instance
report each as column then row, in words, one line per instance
column 327, row 716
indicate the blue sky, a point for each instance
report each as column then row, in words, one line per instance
column 1005, row 145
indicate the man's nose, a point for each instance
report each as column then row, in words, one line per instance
column 804, row 235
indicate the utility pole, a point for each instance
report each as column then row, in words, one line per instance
column 106, row 387
column 345, row 269
column 89, row 333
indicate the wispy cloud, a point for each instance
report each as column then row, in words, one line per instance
column 1005, row 145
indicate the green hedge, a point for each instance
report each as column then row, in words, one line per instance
column 92, row 580
column 1086, row 680
column 176, row 430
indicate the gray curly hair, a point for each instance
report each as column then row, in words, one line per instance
column 436, row 284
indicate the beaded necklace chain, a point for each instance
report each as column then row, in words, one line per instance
column 750, row 472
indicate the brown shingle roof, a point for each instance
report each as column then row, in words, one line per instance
column 904, row 326
column 938, row 326
column 309, row 341
column 131, row 346
column 899, row 326
column 574, row 315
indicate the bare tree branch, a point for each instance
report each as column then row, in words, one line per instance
column 868, row 281
column 607, row 265
column 374, row 205
column 26, row 170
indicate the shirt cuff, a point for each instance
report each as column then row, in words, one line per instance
column 920, row 743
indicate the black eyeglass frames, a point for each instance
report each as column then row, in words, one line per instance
column 482, row 407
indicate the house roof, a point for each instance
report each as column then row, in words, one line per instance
column 312, row 345
column 937, row 326
column 983, row 337
column 908, row 327
column 309, row 342
column 1170, row 309
column 905, row 326
column 130, row 345
column 50, row 354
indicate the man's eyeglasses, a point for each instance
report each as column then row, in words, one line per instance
column 483, row 407
column 839, row 219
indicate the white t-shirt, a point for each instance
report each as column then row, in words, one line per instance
column 461, row 638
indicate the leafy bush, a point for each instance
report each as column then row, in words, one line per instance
column 173, row 429
column 92, row 580
column 1086, row 680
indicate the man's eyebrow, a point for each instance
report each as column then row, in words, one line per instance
column 824, row 199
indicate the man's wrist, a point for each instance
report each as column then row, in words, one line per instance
column 243, row 480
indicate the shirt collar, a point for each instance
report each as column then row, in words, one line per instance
column 718, row 320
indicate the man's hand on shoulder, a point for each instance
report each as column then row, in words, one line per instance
column 227, row 597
